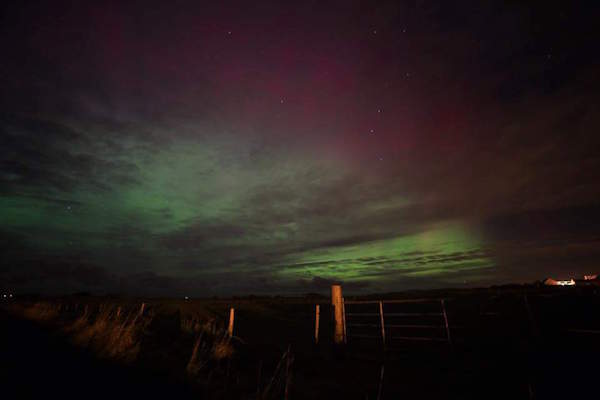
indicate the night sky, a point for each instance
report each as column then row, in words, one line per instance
column 214, row 148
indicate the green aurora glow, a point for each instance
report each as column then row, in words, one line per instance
column 445, row 250
column 215, row 149
column 208, row 207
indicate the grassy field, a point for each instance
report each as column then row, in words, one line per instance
column 514, row 342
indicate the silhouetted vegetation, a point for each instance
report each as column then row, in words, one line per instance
column 514, row 339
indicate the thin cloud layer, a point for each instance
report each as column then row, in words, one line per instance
column 231, row 150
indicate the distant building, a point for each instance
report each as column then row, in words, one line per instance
column 588, row 280
column 552, row 282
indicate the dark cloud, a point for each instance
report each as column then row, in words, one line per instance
column 54, row 275
column 231, row 148
column 324, row 284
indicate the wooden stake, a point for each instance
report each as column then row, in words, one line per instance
column 338, row 314
column 231, row 320
column 288, row 374
column 380, row 388
column 258, row 379
column 446, row 321
column 531, row 394
column 344, row 318
column 317, row 316
column 382, row 323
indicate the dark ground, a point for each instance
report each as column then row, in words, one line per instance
column 507, row 356
column 39, row 364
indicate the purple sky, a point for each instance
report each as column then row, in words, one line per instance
column 171, row 147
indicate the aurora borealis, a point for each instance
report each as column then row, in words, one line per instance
column 186, row 148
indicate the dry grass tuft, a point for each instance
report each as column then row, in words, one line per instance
column 222, row 348
column 107, row 329
column 42, row 311
column 145, row 334
column 196, row 324
column 114, row 334
column 200, row 356
column 209, row 348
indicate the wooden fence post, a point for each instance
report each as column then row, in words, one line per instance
column 288, row 374
column 258, row 380
column 231, row 320
column 446, row 321
column 382, row 323
column 380, row 388
column 317, row 316
column 338, row 314
column 344, row 318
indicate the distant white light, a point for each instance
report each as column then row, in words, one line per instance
column 10, row 295
column 570, row 282
column 4, row 296
column 187, row 298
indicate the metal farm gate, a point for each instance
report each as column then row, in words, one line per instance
column 389, row 321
